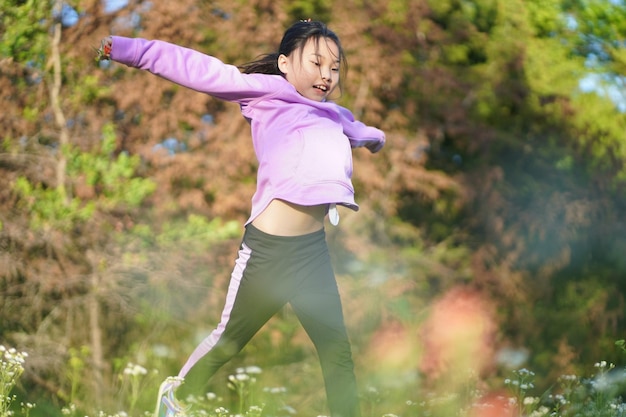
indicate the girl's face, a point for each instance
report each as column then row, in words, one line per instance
column 313, row 70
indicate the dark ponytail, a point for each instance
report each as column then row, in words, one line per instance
column 295, row 37
column 266, row 64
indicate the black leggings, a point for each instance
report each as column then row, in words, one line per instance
column 270, row 272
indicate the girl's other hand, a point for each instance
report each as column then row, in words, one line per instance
column 375, row 146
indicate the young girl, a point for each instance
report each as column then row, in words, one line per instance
column 303, row 145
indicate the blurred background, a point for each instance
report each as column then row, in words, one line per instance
column 492, row 229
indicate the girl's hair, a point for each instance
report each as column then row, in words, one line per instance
column 294, row 38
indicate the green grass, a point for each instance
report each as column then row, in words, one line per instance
column 245, row 395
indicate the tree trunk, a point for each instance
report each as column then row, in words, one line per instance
column 96, row 339
column 55, row 89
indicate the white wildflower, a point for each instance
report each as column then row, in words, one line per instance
column 254, row 370
column 530, row 400
column 540, row 412
column 275, row 390
column 601, row 364
column 134, row 369
column 139, row 370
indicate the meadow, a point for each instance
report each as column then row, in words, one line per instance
column 596, row 395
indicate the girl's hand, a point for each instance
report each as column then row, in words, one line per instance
column 104, row 52
column 375, row 146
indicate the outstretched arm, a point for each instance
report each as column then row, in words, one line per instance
column 186, row 67
column 360, row 134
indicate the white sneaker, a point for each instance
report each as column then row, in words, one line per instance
column 167, row 405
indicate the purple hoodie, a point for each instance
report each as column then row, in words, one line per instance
column 303, row 146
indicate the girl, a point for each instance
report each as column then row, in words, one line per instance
column 303, row 145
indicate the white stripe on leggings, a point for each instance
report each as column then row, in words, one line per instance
column 233, row 287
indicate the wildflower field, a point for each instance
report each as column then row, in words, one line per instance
column 597, row 395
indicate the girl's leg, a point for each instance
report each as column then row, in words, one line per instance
column 252, row 299
column 318, row 307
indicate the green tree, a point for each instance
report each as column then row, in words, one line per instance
column 24, row 31
column 544, row 162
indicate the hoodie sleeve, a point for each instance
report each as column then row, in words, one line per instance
column 360, row 134
column 191, row 69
